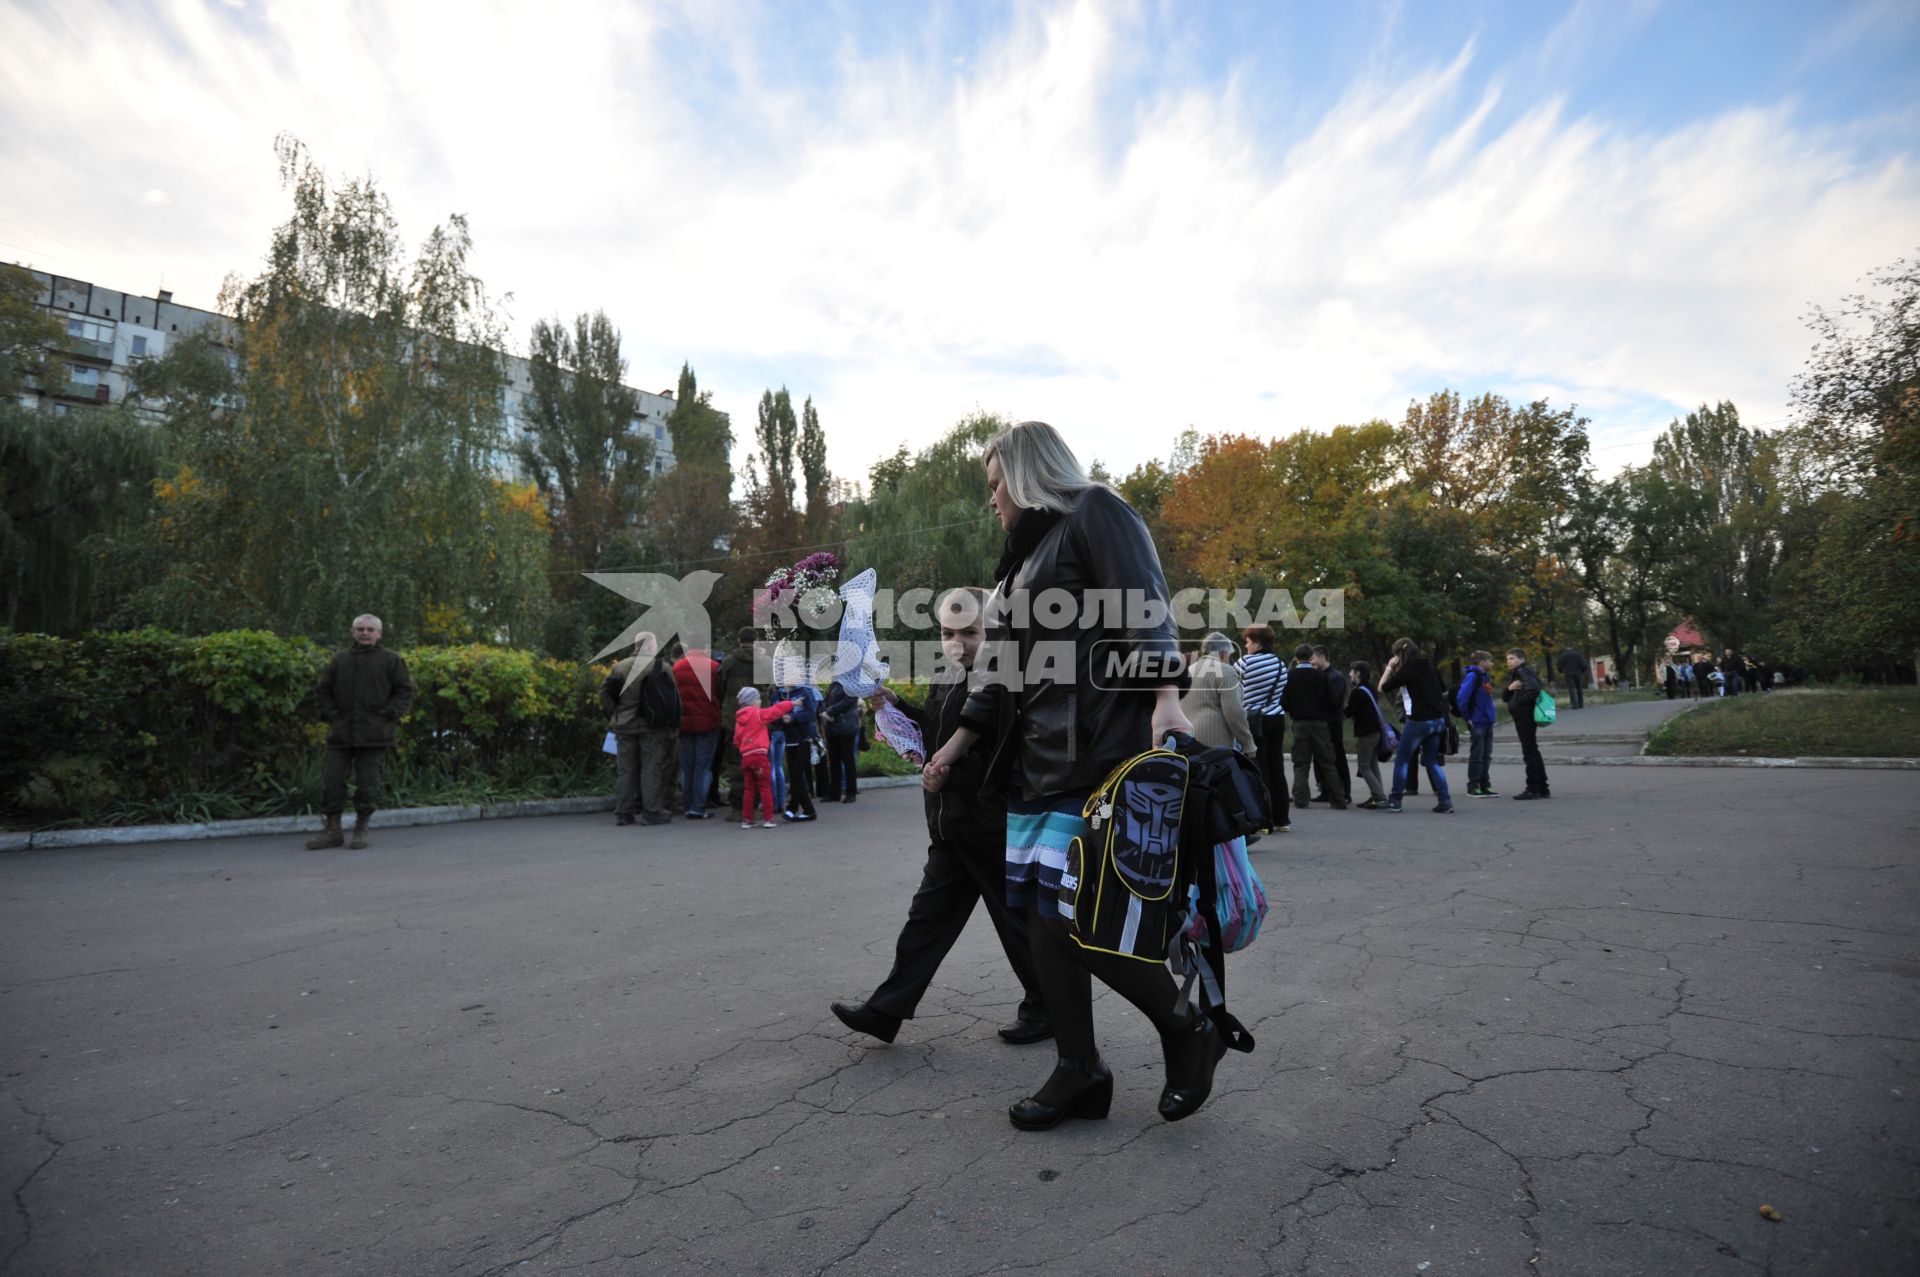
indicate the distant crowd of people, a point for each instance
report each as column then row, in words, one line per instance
column 1699, row 676
column 694, row 736
column 1250, row 700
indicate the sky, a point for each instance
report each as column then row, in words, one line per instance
column 1123, row 218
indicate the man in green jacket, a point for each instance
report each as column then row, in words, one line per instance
column 642, row 705
column 363, row 692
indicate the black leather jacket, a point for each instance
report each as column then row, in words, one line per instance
column 1053, row 730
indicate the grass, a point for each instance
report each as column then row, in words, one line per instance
column 1875, row 722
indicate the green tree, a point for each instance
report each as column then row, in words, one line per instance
column 346, row 459
column 64, row 480
column 702, row 434
column 1724, row 512
column 925, row 521
column 692, row 518
column 1620, row 535
column 1859, row 400
column 813, row 470
column 776, row 432
column 65, row 483
column 590, row 461
column 27, row 332
column 1513, row 469
column 1849, row 589
column 583, row 447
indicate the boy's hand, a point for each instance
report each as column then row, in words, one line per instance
column 935, row 773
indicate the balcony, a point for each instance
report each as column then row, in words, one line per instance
column 70, row 393
column 85, row 349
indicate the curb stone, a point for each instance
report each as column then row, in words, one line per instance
column 1707, row 760
column 397, row 818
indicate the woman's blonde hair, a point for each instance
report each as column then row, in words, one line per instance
column 1040, row 471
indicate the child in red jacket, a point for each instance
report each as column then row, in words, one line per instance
column 750, row 738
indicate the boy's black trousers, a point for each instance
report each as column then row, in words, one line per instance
column 956, row 875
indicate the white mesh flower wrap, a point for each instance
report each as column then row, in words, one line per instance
column 857, row 662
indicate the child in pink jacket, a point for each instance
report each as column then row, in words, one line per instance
column 750, row 738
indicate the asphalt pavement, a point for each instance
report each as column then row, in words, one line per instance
column 1594, row 1035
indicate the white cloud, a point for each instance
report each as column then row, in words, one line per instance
column 905, row 240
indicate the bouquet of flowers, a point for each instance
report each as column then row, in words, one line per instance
column 791, row 601
column 803, row 593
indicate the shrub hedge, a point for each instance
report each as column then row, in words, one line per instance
column 112, row 723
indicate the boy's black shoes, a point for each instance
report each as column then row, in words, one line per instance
column 1443, row 809
column 862, row 1018
column 1024, row 1032
column 1525, row 794
column 1393, row 805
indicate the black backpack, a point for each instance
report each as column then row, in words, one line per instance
column 659, row 698
column 1238, row 801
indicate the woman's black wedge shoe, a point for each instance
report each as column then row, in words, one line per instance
column 1088, row 1094
column 1191, row 1056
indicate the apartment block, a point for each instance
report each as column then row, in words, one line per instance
column 108, row 334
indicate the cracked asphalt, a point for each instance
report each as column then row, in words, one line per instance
column 1589, row 1036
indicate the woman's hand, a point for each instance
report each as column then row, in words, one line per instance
column 1168, row 717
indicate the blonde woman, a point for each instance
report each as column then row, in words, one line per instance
column 1055, row 737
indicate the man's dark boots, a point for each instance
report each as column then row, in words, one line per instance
column 328, row 837
column 361, row 819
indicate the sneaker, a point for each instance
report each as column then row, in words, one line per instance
column 746, row 824
column 1484, row 792
column 1526, row 794
column 1393, row 805
column 1338, row 804
column 1443, row 809
column 1372, row 804
column 767, row 824
column 696, row 815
